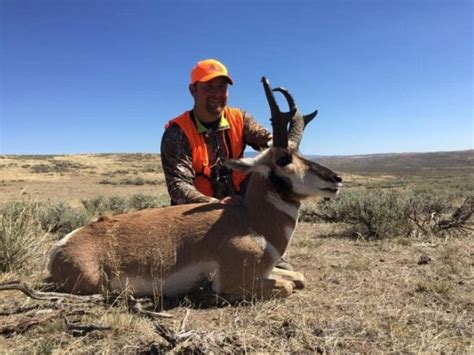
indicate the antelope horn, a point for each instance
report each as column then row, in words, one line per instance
column 308, row 118
column 274, row 109
column 295, row 132
column 289, row 98
column 279, row 119
column 297, row 126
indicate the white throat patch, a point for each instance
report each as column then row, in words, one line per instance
column 266, row 245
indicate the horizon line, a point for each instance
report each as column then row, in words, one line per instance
column 245, row 153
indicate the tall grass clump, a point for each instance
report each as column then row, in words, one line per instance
column 21, row 236
column 25, row 225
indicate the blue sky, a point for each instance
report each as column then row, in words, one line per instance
column 91, row 76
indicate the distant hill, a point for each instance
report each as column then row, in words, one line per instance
column 423, row 164
column 436, row 163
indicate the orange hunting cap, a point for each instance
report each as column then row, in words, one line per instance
column 209, row 69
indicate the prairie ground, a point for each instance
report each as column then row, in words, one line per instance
column 399, row 294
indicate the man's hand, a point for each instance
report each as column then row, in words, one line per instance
column 232, row 200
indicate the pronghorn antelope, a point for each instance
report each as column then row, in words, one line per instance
column 168, row 251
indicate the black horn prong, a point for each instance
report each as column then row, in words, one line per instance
column 279, row 120
column 270, row 97
column 309, row 117
column 288, row 97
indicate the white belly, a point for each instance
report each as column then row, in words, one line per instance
column 174, row 284
column 191, row 276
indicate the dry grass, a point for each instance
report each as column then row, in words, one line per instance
column 396, row 295
column 361, row 297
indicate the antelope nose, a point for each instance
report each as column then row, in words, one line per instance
column 337, row 179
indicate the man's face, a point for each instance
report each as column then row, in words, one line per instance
column 210, row 97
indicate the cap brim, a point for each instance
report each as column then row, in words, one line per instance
column 215, row 75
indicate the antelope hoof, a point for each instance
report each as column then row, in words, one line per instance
column 299, row 281
column 283, row 289
column 296, row 278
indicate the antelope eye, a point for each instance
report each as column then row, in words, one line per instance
column 284, row 160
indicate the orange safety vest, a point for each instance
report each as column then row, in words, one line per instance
column 200, row 158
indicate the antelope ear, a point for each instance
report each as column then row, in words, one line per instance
column 245, row 164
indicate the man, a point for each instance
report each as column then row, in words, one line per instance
column 194, row 143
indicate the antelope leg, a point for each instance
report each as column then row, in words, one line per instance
column 297, row 278
column 260, row 288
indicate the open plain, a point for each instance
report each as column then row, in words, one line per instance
column 403, row 290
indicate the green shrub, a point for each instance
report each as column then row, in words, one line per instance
column 41, row 168
column 136, row 181
column 61, row 218
column 95, row 205
column 139, row 181
column 376, row 214
column 118, row 205
column 152, row 168
column 107, row 182
column 423, row 207
column 102, row 205
column 61, row 166
column 139, row 202
column 117, row 172
column 381, row 213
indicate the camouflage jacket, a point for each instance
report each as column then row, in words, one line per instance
column 176, row 157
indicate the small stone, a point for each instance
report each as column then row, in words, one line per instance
column 424, row 260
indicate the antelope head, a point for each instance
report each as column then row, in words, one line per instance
column 294, row 176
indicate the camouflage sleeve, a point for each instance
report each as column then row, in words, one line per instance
column 176, row 160
column 255, row 135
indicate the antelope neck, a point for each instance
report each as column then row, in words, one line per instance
column 276, row 218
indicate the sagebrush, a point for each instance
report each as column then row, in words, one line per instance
column 377, row 214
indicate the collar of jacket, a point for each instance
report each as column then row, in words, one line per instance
column 223, row 124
